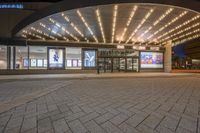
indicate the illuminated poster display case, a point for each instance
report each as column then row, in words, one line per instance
column 56, row 58
column 151, row 60
column 89, row 58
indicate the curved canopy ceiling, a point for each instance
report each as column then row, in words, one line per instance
column 128, row 24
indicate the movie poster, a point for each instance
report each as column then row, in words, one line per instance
column 25, row 62
column 56, row 58
column 39, row 63
column 90, row 58
column 33, row 63
column 151, row 60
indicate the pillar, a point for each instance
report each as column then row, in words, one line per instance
column 168, row 57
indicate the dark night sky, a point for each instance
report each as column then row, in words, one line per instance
column 43, row 0
column 179, row 50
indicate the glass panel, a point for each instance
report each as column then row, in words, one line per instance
column 38, row 57
column 21, row 57
column 89, row 58
column 108, row 64
column 122, row 64
column 3, row 57
column 135, row 65
column 129, row 64
column 116, row 64
column 101, row 64
column 73, row 58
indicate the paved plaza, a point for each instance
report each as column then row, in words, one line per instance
column 107, row 105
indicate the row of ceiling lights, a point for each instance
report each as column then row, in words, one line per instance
column 168, row 24
column 86, row 24
column 186, row 39
column 63, row 29
column 140, row 25
column 179, row 32
column 186, row 34
column 125, row 29
column 157, row 21
column 128, row 22
column 179, row 26
column 100, row 24
column 25, row 33
column 74, row 27
column 49, row 29
column 114, row 22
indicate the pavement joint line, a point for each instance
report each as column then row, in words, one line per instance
column 6, row 106
column 96, row 76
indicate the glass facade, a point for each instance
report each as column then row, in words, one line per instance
column 3, row 57
column 37, row 57
column 73, row 58
column 103, row 60
column 21, row 57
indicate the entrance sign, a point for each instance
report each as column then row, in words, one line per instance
column 151, row 59
column 11, row 6
column 155, row 48
column 120, row 46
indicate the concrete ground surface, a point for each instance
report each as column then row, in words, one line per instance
column 94, row 75
column 157, row 104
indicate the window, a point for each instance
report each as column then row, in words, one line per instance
column 21, row 57
column 3, row 57
column 38, row 57
column 73, row 58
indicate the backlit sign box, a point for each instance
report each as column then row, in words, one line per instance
column 142, row 48
column 151, row 60
column 135, row 47
column 155, row 48
column 120, row 46
column 11, row 6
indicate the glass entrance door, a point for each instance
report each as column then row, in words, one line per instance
column 107, row 64
column 122, row 64
column 129, row 64
column 116, row 65
column 135, row 65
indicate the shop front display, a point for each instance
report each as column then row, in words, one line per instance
column 101, row 60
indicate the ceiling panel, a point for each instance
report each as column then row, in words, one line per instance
column 142, row 30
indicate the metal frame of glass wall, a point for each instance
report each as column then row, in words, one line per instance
column 116, row 60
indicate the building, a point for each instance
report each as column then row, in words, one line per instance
column 94, row 36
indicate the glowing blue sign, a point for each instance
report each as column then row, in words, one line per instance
column 11, row 6
column 90, row 58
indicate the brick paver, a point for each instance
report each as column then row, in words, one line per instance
column 120, row 105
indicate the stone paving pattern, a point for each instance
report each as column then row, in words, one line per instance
column 125, row 105
column 10, row 90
